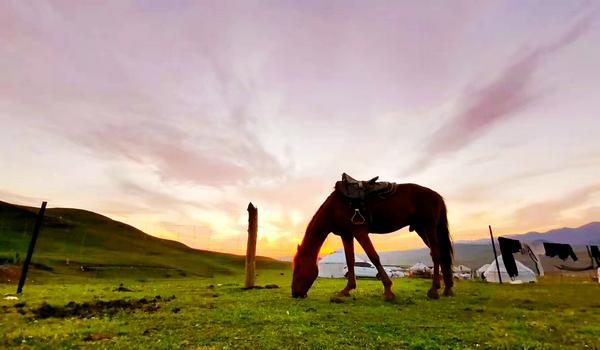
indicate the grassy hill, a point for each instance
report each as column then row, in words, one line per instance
column 71, row 238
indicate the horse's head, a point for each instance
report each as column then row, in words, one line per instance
column 305, row 273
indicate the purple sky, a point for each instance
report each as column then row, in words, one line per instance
column 172, row 115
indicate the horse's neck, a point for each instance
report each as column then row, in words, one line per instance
column 312, row 243
column 318, row 229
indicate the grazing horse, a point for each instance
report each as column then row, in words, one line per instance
column 357, row 208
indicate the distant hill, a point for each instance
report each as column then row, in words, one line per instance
column 582, row 235
column 479, row 252
column 71, row 238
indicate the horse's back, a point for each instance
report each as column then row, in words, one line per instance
column 417, row 193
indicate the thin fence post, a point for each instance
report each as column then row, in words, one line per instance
column 251, row 247
column 495, row 255
column 36, row 231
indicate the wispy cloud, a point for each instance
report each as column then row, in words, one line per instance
column 499, row 100
column 184, row 157
column 8, row 196
column 551, row 212
column 179, row 113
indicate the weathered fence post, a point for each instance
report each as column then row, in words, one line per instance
column 495, row 255
column 36, row 231
column 251, row 248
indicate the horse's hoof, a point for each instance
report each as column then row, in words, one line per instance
column 448, row 292
column 433, row 294
column 389, row 296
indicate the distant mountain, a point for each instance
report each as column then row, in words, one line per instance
column 582, row 235
column 71, row 238
column 464, row 253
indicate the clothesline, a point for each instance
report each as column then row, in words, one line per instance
column 535, row 249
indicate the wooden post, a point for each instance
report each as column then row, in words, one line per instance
column 495, row 255
column 251, row 248
column 36, row 231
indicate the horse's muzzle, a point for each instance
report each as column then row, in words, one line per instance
column 299, row 295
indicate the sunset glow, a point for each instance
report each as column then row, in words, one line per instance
column 172, row 116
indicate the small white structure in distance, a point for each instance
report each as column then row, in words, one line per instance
column 461, row 268
column 526, row 275
column 419, row 267
column 461, row 272
column 394, row 271
column 332, row 265
column 482, row 270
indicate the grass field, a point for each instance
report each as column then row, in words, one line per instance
column 216, row 313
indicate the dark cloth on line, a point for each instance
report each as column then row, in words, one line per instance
column 507, row 248
column 562, row 250
column 595, row 252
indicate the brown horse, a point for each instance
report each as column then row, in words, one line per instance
column 418, row 207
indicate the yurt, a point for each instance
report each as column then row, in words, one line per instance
column 482, row 270
column 525, row 274
column 461, row 268
column 419, row 267
column 332, row 265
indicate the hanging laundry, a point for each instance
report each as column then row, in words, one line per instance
column 586, row 268
column 537, row 247
column 533, row 250
column 507, row 248
column 562, row 250
column 595, row 252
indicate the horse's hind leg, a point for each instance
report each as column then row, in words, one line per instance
column 433, row 291
column 448, row 280
column 348, row 241
column 435, row 257
column 363, row 238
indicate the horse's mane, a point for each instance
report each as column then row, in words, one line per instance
column 310, row 228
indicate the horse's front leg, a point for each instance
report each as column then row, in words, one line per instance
column 348, row 241
column 363, row 238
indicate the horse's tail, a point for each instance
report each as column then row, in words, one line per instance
column 445, row 242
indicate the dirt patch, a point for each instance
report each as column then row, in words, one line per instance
column 122, row 288
column 97, row 336
column 9, row 274
column 336, row 300
column 40, row 266
column 98, row 308
column 268, row 286
column 253, row 287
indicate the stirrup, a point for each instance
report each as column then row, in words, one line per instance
column 361, row 218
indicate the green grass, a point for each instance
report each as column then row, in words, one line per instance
column 551, row 314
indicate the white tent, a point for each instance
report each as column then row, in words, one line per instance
column 461, row 268
column 525, row 273
column 482, row 270
column 419, row 267
column 332, row 265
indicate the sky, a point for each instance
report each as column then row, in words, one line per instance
column 173, row 115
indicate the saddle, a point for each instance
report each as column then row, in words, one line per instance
column 357, row 193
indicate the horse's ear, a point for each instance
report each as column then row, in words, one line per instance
column 348, row 178
column 373, row 179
